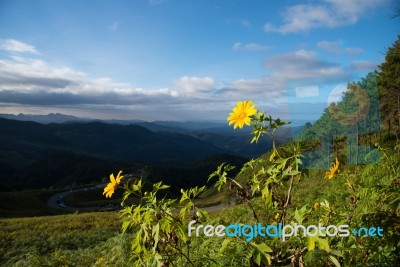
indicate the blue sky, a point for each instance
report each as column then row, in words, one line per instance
column 186, row 59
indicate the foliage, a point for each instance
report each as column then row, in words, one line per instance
column 355, row 115
column 264, row 190
column 64, row 240
column 389, row 85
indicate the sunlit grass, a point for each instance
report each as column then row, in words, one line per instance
column 75, row 239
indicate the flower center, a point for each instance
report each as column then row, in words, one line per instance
column 242, row 116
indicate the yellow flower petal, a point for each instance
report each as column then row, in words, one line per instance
column 333, row 170
column 240, row 114
column 110, row 188
column 112, row 179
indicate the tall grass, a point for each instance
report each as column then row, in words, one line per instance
column 65, row 240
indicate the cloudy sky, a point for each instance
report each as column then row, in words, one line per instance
column 186, row 59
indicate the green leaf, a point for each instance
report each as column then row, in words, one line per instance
column 323, row 244
column 137, row 186
column 261, row 251
column 272, row 156
column 311, row 242
column 125, row 226
column 257, row 257
column 336, row 253
column 298, row 216
column 225, row 244
column 156, row 261
column 164, row 186
column 155, row 231
column 266, row 195
column 184, row 209
column 165, row 225
column 262, row 247
column 181, row 232
column 334, row 261
column 221, row 173
column 239, row 185
column 202, row 214
column 184, row 196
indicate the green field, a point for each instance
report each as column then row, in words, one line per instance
column 25, row 203
column 63, row 240
column 95, row 239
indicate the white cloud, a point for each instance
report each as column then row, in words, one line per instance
column 296, row 69
column 256, row 89
column 249, row 85
column 328, row 14
column 13, row 45
column 363, row 65
column 31, row 82
column 303, row 17
column 307, row 91
column 33, row 76
column 355, row 7
column 249, row 47
column 301, row 60
column 191, row 85
column 354, row 51
column 303, row 68
column 332, row 47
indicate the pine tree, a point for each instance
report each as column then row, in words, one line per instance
column 389, row 85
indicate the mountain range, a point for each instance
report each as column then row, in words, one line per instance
column 32, row 153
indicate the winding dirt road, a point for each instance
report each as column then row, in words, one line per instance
column 57, row 201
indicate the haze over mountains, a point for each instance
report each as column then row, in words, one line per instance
column 34, row 154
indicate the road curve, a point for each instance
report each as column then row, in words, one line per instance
column 56, row 201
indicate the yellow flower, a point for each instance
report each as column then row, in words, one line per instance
column 277, row 216
column 241, row 114
column 316, row 205
column 109, row 189
column 333, row 170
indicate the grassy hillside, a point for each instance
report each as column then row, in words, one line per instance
column 64, row 240
column 25, row 203
column 94, row 239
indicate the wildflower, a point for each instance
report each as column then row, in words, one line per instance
column 333, row 170
column 240, row 114
column 316, row 205
column 277, row 216
column 109, row 189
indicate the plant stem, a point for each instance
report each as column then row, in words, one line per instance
column 287, row 199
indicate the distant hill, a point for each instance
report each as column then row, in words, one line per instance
column 25, row 142
column 49, row 118
column 35, row 155
column 217, row 133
